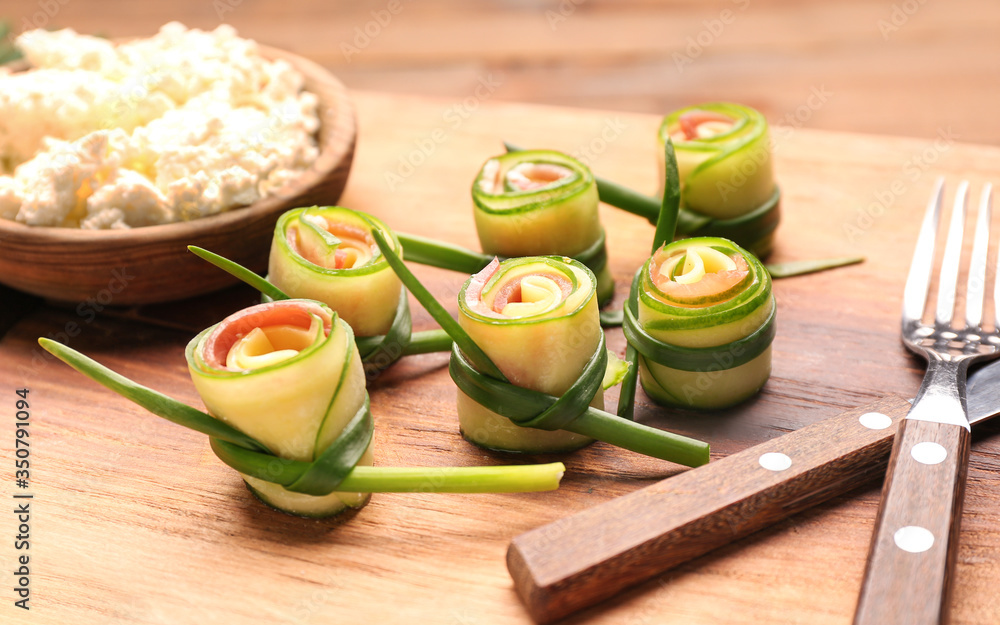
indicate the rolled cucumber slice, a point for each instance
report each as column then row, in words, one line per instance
column 703, row 329
column 541, row 202
column 536, row 318
column 293, row 358
column 328, row 254
column 723, row 158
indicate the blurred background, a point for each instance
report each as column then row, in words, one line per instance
column 903, row 67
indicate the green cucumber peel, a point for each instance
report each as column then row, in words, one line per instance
column 515, row 202
column 699, row 359
column 320, row 238
column 446, row 321
column 754, row 291
column 239, row 271
column 693, row 358
column 485, row 383
column 746, row 230
column 443, row 255
column 248, row 456
column 802, row 267
column 615, row 371
column 749, row 126
column 380, row 351
column 285, row 220
column 387, row 348
column 556, row 263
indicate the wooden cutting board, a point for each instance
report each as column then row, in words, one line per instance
column 135, row 521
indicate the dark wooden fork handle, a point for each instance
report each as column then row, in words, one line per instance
column 912, row 554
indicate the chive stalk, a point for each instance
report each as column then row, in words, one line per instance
column 320, row 469
column 480, row 378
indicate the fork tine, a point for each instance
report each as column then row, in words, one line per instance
column 948, row 282
column 976, row 288
column 919, row 279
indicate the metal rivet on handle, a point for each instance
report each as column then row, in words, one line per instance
column 928, row 453
column 913, row 538
column 875, row 420
column 773, row 461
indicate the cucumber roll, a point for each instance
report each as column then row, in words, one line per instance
column 536, row 318
column 701, row 316
column 328, row 254
column 724, row 162
column 287, row 374
column 540, row 202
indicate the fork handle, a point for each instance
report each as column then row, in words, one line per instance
column 912, row 554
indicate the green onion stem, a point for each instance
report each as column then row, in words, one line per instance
column 641, row 438
column 239, row 271
column 428, row 342
column 503, row 479
column 153, row 401
column 437, row 311
column 249, row 456
column 628, row 200
column 802, row 267
column 666, row 221
column 426, row 251
column 492, row 383
column 364, row 479
column 418, row 343
column 631, row 201
column 612, row 318
column 626, row 392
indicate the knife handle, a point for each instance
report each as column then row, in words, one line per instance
column 590, row 556
column 912, row 553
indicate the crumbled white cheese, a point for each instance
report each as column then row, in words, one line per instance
column 181, row 125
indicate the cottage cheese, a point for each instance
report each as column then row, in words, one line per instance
column 181, row 125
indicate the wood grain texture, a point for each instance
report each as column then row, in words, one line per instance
column 137, row 522
column 152, row 264
column 889, row 67
column 903, row 587
column 576, row 562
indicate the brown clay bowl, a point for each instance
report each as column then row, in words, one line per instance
column 152, row 263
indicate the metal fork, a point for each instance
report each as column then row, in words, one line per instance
column 912, row 553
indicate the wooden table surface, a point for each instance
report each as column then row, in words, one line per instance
column 899, row 67
column 135, row 521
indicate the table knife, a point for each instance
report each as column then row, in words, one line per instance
column 590, row 556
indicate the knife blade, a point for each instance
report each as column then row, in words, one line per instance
column 590, row 556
